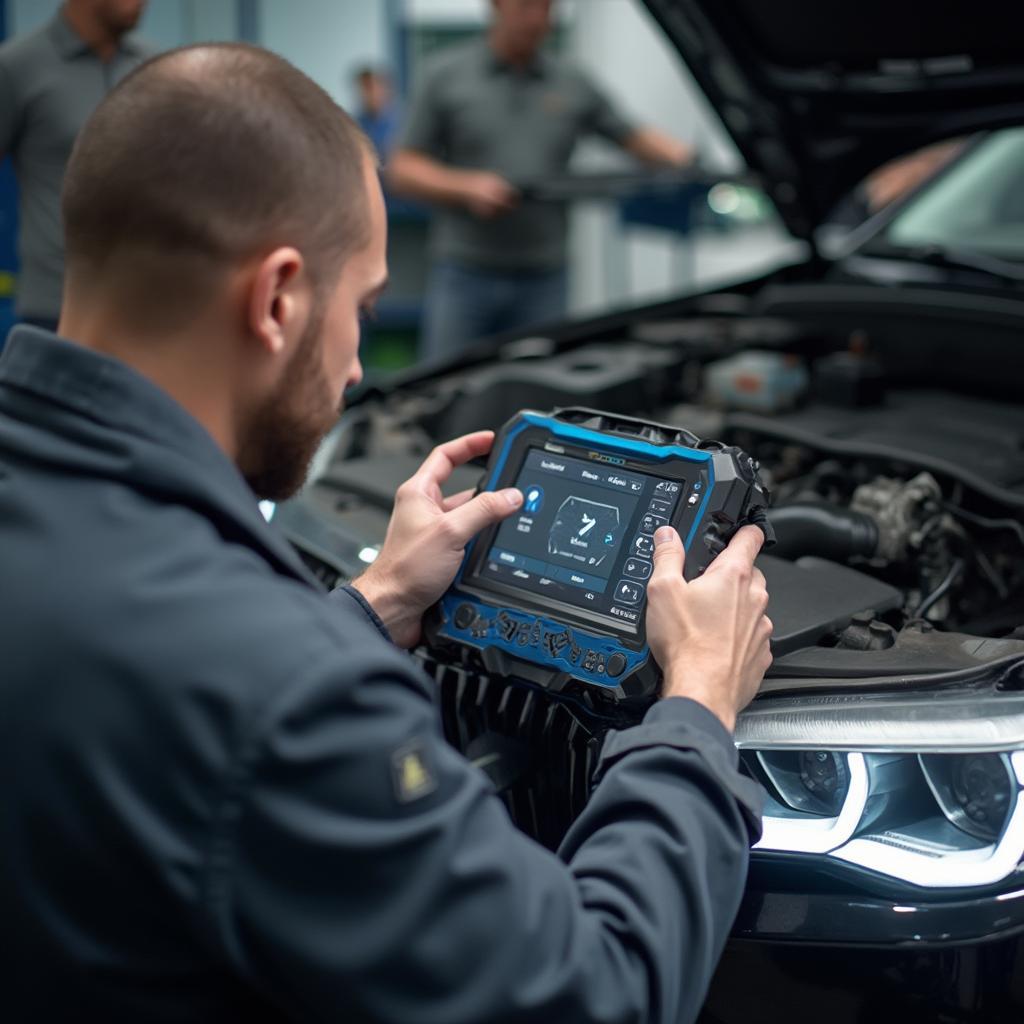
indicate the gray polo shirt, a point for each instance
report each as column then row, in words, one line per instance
column 50, row 82
column 473, row 111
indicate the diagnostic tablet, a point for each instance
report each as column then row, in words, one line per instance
column 556, row 593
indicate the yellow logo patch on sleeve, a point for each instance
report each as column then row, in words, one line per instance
column 412, row 775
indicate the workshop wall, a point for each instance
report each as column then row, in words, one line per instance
column 165, row 23
column 616, row 41
column 622, row 48
column 328, row 39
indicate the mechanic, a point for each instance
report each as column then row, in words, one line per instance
column 492, row 112
column 377, row 112
column 226, row 795
column 50, row 81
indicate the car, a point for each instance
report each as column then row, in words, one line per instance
column 878, row 381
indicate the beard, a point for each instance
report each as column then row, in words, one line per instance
column 285, row 432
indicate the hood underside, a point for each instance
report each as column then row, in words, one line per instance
column 818, row 94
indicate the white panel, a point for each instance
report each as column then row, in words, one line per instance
column 25, row 15
column 626, row 52
column 211, row 20
column 327, row 39
column 468, row 12
column 164, row 24
column 451, row 11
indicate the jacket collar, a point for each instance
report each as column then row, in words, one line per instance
column 169, row 450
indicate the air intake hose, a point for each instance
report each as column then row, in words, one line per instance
column 818, row 528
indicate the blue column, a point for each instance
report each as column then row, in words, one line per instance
column 8, row 225
column 249, row 21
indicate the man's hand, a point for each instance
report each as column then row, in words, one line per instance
column 427, row 537
column 486, row 194
column 655, row 147
column 710, row 637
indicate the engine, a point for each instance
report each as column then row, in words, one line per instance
column 899, row 513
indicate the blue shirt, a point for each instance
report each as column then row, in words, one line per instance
column 381, row 129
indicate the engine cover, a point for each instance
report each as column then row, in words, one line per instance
column 812, row 597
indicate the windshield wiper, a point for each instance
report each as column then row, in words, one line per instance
column 957, row 258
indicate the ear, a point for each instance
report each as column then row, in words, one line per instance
column 278, row 306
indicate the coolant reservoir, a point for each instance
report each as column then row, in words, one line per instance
column 756, row 381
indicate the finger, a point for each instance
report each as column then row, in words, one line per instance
column 757, row 579
column 440, row 463
column 742, row 550
column 509, row 191
column 457, row 500
column 669, row 554
column 490, row 507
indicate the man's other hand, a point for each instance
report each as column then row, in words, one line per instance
column 427, row 537
column 486, row 194
column 710, row 636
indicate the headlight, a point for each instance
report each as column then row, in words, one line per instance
column 825, row 777
column 975, row 791
column 952, row 819
column 794, row 817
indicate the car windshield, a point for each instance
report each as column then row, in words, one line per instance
column 978, row 204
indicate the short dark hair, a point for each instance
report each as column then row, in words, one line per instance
column 206, row 156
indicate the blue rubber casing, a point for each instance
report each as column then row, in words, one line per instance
column 515, row 634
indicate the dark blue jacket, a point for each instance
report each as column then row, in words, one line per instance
column 226, row 796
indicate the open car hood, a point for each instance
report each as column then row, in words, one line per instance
column 816, row 93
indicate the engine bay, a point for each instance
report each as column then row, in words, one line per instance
column 897, row 499
column 897, row 508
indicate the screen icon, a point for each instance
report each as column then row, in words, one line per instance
column 637, row 568
column 628, row 593
column 643, row 546
column 533, row 499
column 651, row 522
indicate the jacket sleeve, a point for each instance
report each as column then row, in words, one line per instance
column 362, row 868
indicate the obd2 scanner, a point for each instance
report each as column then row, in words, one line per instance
column 555, row 594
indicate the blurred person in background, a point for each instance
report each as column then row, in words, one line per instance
column 487, row 114
column 51, row 80
column 899, row 177
column 892, row 182
column 377, row 113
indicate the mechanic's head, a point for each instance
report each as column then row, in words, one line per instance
column 224, row 230
column 520, row 27
column 115, row 17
